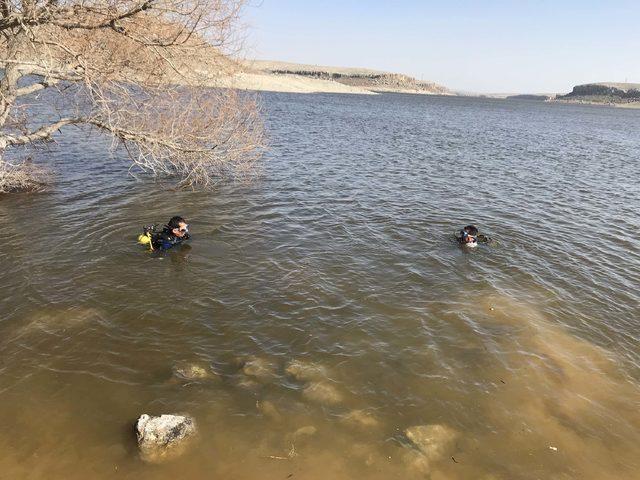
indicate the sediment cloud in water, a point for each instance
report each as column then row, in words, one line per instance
column 558, row 403
column 539, row 402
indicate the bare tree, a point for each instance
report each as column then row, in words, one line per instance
column 135, row 69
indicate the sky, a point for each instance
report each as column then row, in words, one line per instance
column 475, row 46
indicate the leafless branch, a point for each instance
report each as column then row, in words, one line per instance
column 139, row 71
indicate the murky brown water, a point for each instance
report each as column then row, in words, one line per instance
column 340, row 260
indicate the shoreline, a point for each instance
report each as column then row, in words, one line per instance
column 275, row 76
column 627, row 105
column 289, row 83
column 282, row 77
column 286, row 83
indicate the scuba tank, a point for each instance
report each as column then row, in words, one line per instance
column 145, row 237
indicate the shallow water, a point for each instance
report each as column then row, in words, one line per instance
column 339, row 256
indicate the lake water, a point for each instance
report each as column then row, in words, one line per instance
column 340, row 258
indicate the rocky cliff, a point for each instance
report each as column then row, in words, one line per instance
column 372, row 80
column 608, row 93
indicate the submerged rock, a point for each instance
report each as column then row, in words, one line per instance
column 248, row 384
column 307, row 431
column 433, row 441
column 416, row 461
column 56, row 319
column 268, row 409
column 322, row 392
column 300, row 437
column 365, row 452
column 258, row 368
column 163, row 437
column 360, row 419
column 306, row 371
column 193, row 372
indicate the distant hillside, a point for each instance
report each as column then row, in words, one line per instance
column 623, row 94
column 360, row 78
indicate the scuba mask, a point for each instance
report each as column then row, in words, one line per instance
column 469, row 240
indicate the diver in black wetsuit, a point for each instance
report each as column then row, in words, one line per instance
column 175, row 232
column 469, row 236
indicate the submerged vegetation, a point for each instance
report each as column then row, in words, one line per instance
column 133, row 69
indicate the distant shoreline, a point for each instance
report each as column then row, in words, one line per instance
column 623, row 95
column 262, row 75
column 630, row 105
column 266, row 82
column 286, row 77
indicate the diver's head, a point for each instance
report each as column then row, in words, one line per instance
column 470, row 235
column 178, row 226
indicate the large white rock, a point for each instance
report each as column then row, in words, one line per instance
column 163, row 437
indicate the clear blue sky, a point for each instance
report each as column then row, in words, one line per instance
column 481, row 46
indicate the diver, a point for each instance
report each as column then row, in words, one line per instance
column 470, row 237
column 175, row 232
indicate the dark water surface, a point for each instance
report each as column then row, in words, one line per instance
column 340, row 257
